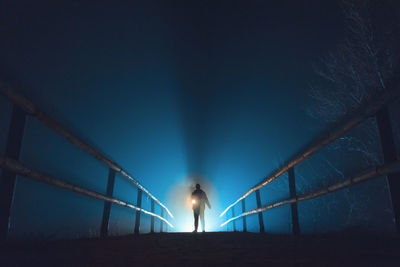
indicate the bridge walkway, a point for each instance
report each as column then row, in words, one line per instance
column 206, row 249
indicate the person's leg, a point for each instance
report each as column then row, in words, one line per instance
column 196, row 220
column 203, row 225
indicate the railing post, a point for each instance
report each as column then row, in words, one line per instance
column 107, row 205
column 260, row 216
column 389, row 156
column 292, row 189
column 139, row 205
column 244, row 217
column 162, row 222
column 7, row 179
column 234, row 222
column 152, row 217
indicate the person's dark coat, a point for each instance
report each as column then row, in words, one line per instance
column 200, row 200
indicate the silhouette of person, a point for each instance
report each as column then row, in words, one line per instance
column 199, row 201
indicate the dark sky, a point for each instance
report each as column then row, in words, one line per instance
column 215, row 93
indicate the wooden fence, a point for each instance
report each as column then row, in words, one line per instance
column 378, row 107
column 22, row 107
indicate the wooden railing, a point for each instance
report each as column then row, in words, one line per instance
column 12, row 167
column 378, row 106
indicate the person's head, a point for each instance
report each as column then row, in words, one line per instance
column 197, row 186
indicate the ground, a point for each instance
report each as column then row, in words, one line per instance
column 206, row 249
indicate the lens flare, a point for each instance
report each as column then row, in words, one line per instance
column 193, row 201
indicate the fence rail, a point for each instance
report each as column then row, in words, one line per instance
column 20, row 169
column 362, row 177
column 11, row 167
column 360, row 115
column 377, row 106
column 32, row 110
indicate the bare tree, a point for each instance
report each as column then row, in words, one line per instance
column 358, row 69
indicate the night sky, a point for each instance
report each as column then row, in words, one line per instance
column 214, row 93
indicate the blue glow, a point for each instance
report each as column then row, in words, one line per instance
column 176, row 97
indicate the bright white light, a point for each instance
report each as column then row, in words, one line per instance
column 181, row 203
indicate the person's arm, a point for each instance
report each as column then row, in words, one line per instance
column 207, row 202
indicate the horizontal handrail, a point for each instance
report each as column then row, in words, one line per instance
column 372, row 173
column 31, row 109
column 361, row 114
column 18, row 168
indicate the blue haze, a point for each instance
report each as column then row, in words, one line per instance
column 175, row 96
